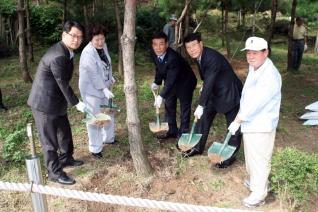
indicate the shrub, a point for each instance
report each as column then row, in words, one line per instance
column 294, row 174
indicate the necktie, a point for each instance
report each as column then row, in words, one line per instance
column 160, row 60
column 199, row 64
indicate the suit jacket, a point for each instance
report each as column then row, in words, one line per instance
column 220, row 81
column 92, row 78
column 177, row 75
column 51, row 91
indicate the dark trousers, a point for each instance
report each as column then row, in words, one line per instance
column 171, row 113
column 205, row 122
column 55, row 134
column 298, row 50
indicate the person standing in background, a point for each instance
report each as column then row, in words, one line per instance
column 299, row 42
column 168, row 29
column 2, row 107
column 95, row 80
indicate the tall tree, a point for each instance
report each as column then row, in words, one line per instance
column 22, row 55
column 85, row 15
column 272, row 26
column 290, row 37
column 30, row 43
column 120, row 32
column 64, row 12
column 137, row 151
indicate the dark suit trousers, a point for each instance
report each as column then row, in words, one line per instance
column 171, row 113
column 205, row 122
column 55, row 134
column 298, row 49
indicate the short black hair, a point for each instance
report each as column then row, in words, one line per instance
column 69, row 24
column 159, row 35
column 191, row 37
column 95, row 29
column 298, row 18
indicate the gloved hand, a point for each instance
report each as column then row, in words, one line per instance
column 234, row 127
column 158, row 101
column 305, row 47
column 154, row 86
column 80, row 106
column 199, row 111
column 112, row 81
column 108, row 94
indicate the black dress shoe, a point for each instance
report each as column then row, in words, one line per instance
column 74, row 163
column 190, row 153
column 65, row 180
column 2, row 107
column 98, row 155
column 177, row 146
column 166, row 136
column 225, row 164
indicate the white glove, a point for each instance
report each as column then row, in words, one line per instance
column 158, row 101
column 305, row 47
column 108, row 94
column 80, row 106
column 112, row 81
column 234, row 127
column 199, row 111
column 154, row 86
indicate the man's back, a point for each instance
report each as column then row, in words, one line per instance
column 169, row 31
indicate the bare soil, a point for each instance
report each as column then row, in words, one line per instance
column 194, row 180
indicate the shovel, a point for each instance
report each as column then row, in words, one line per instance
column 219, row 152
column 110, row 108
column 99, row 119
column 156, row 127
column 187, row 141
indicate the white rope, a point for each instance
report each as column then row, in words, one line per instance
column 120, row 200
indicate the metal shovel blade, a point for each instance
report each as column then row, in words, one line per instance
column 187, row 141
column 158, row 126
column 219, row 152
column 98, row 119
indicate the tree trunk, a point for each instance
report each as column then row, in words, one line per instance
column 243, row 20
column 254, row 17
column 290, row 37
column 228, row 44
column 64, row 13
column 23, row 61
column 85, row 15
column 222, row 26
column 30, row 43
column 204, row 15
column 272, row 26
column 187, row 24
column 120, row 33
column 137, row 151
column 316, row 44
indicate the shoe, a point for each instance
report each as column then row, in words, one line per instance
column 98, row 155
column 114, row 142
column 190, row 153
column 225, row 164
column 177, row 146
column 74, row 163
column 2, row 107
column 65, row 180
column 166, row 136
column 247, row 183
column 252, row 203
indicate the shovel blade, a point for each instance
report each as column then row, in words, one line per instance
column 99, row 117
column 216, row 149
column 155, row 127
column 186, row 142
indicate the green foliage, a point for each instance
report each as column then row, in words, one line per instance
column 7, row 8
column 13, row 148
column 294, row 175
column 46, row 24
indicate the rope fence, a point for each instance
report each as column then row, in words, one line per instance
column 120, row 200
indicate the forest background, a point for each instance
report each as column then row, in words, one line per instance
column 29, row 28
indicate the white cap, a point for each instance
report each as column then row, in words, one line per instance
column 173, row 17
column 255, row 44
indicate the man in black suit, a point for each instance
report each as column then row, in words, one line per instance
column 221, row 93
column 179, row 83
column 48, row 99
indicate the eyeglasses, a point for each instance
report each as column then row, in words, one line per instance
column 75, row 36
column 191, row 46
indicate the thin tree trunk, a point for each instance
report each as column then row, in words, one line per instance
column 187, row 23
column 228, row 44
column 290, row 37
column 222, row 26
column 64, row 13
column 254, row 17
column 85, row 15
column 10, row 32
column 316, row 44
column 30, row 43
column 272, row 26
column 204, row 15
column 22, row 55
column 137, row 151
column 120, row 32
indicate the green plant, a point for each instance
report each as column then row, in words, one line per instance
column 294, row 175
column 217, row 184
column 13, row 148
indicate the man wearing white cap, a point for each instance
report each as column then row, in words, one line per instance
column 258, row 118
column 168, row 29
